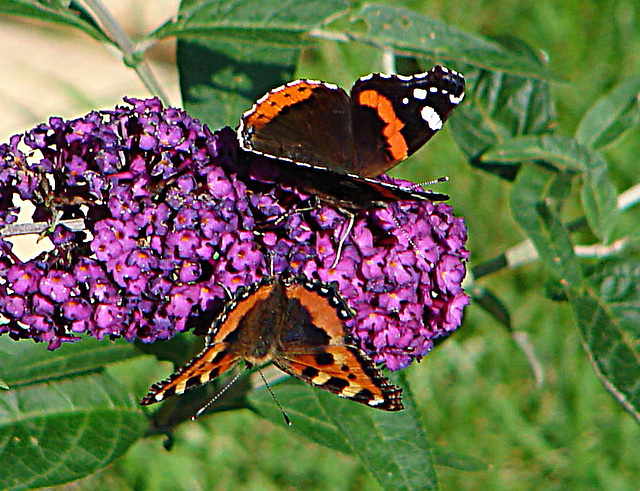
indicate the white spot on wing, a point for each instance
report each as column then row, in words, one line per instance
column 456, row 100
column 420, row 94
column 431, row 117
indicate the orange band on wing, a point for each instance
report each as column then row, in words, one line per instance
column 384, row 107
column 267, row 109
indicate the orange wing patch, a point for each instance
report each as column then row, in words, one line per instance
column 268, row 107
column 209, row 364
column 384, row 108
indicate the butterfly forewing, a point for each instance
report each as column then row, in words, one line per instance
column 315, row 348
column 278, row 124
column 223, row 349
column 345, row 371
column 384, row 120
column 212, row 362
column 397, row 115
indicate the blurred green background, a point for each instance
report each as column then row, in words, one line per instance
column 477, row 392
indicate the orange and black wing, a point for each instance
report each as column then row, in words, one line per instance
column 315, row 349
column 303, row 121
column 345, row 371
column 221, row 352
column 213, row 361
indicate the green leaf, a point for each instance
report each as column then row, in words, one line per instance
column 532, row 204
column 608, row 315
column 305, row 407
column 611, row 116
column 498, row 107
column 606, row 308
column 284, row 23
column 57, row 12
column 454, row 460
column 178, row 349
column 392, row 446
column 566, row 154
column 56, row 432
column 412, row 34
column 24, row 362
column 230, row 52
column 563, row 153
column 599, row 197
column 219, row 80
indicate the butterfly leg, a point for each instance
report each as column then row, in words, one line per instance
column 351, row 220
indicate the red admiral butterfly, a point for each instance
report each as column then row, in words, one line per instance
column 298, row 325
column 318, row 127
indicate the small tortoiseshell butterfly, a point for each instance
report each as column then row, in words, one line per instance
column 297, row 324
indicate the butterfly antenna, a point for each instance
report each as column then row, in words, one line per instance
column 435, row 181
column 278, row 220
column 227, row 292
column 216, row 397
column 284, row 415
column 343, row 238
column 409, row 239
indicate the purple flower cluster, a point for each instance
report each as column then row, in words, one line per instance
column 172, row 227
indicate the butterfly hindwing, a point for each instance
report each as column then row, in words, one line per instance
column 316, row 349
column 349, row 191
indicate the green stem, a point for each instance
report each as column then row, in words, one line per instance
column 115, row 32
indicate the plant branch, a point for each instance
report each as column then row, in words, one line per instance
column 525, row 252
column 129, row 55
column 74, row 225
